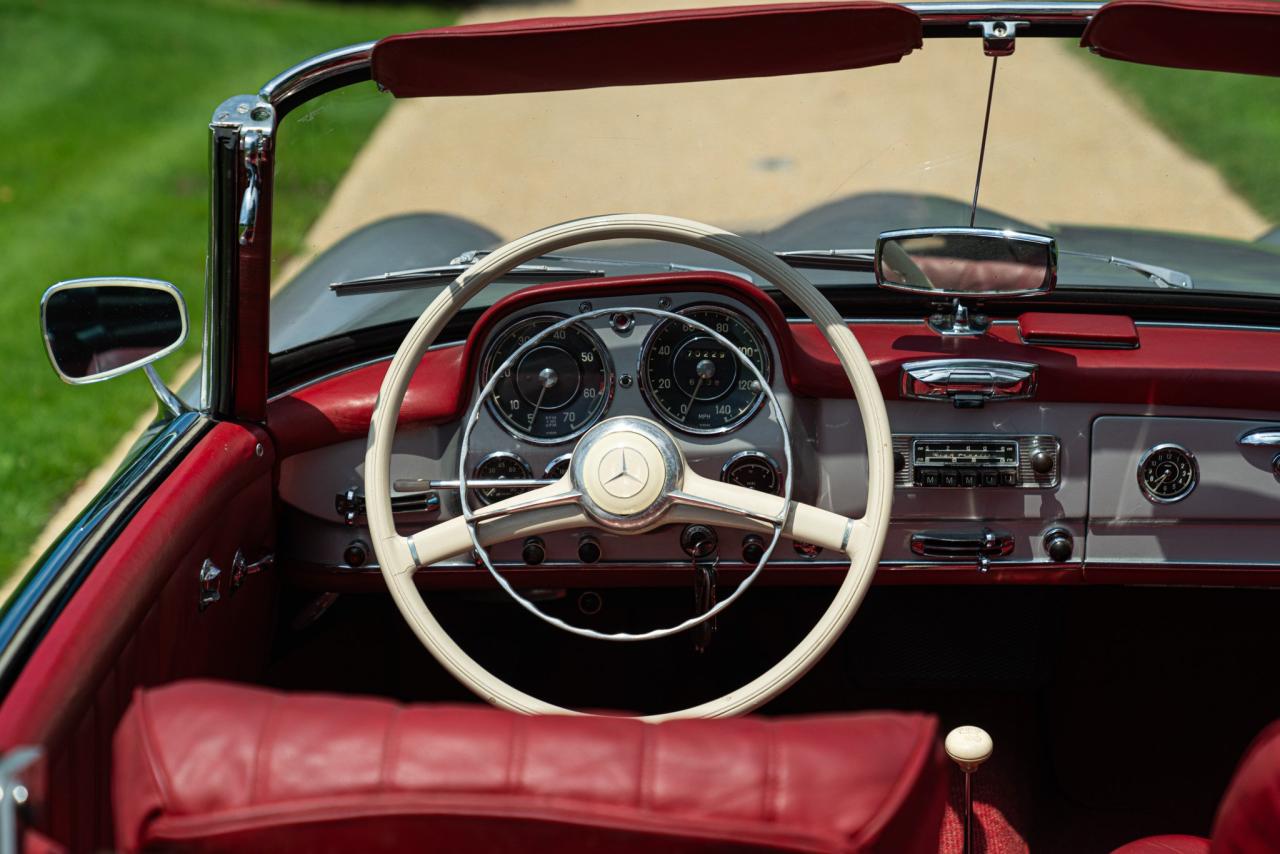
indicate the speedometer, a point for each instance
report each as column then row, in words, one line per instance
column 554, row 391
column 694, row 382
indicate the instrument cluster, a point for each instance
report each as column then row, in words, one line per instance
column 552, row 381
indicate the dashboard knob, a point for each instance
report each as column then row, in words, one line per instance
column 355, row 554
column 1058, row 545
column 752, row 549
column 588, row 549
column 534, row 551
column 1041, row 461
column 899, row 462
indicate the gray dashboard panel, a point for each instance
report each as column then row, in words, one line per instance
column 1231, row 517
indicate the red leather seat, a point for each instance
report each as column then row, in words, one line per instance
column 217, row 767
column 1248, row 819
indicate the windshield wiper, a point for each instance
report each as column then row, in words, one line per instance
column 859, row 260
column 1161, row 277
column 403, row 280
column 400, row 280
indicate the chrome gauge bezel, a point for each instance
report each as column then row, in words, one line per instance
column 1154, row 498
column 642, row 376
column 606, row 362
column 550, row 467
column 495, row 455
column 752, row 453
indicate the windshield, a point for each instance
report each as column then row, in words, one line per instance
column 1147, row 178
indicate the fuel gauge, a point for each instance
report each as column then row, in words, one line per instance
column 753, row 470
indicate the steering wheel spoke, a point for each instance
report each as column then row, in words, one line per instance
column 713, row 502
column 554, row 507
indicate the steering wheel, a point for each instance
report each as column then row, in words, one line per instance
column 660, row 488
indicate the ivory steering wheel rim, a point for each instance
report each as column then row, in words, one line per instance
column 861, row 540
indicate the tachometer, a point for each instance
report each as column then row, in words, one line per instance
column 556, row 390
column 694, row 382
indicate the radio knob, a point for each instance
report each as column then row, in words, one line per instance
column 1058, row 545
column 899, row 462
column 1041, row 461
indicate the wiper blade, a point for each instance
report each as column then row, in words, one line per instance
column 403, row 280
column 567, row 268
column 1162, row 277
column 473, row 255
column 859, row 260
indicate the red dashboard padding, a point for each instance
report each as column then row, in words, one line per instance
column 1241, row 36
column 548, row 54
column 212, row 766
column 1078, row 330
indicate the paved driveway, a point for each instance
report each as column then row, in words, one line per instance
column 784, row 145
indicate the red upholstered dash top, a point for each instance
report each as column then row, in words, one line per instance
column 1241, row 36
column 549, row 54
column 207, row 766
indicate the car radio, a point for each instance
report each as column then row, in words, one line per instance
column 969, row 461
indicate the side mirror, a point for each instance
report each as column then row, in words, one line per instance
column 966, row 262
column 95, row 329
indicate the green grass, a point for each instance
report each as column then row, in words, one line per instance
column 105, row 172
column 1231, row 121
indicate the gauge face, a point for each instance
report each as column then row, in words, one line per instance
column 554, row 391
column 1167, row 473
column 557, row 468
column 753, row 470
column 694, row 382
column 500, row 465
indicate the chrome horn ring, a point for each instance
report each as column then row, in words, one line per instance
column 653, row 511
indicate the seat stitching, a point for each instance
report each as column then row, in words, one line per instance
column 154, row 759
column 515, row 758
column 261, row 747
column 641, row 798
column 770, row 810
column 390, row 743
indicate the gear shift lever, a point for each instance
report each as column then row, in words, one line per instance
column 968, row 747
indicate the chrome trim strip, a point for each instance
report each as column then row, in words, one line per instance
column 316, row 72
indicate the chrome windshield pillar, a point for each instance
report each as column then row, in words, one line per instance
column 240, row 160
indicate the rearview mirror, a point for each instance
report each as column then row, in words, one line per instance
column 966, row 262
column 95, row 329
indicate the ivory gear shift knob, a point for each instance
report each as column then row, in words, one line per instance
column 968, row 747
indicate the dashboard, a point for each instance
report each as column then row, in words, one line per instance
column 1074, row 460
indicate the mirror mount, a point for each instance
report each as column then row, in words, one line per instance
column 958, row 268
column 957, row 319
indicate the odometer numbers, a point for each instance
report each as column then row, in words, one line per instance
column 554, row 391
column 695, row 383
